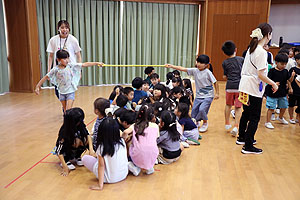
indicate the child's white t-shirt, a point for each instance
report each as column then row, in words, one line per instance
column 66, row 79
column 250, row 82
column 116, row 167
column 71, row 45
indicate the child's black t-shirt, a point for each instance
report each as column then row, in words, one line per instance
column 232, row 70
column 281, row 77
column 296, row 89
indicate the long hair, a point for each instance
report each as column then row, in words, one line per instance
column 144, row 116
column 265, row 30
column 184, row 109
column 170, row 75
column 73, row 122
column 169, row 120
column 108, row 136
column 162, row 88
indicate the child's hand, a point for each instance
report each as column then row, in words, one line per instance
column 134, row 104
column 117, row 91
column 291, row 91
column 96, row 187
column 216, row 96
column 65, row 171
column 37, row 90
column 100, row 64
column 293, row 74
column 277, row 83
column 168, row 65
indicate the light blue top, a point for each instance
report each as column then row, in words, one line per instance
column 66, row 79
column 204, row 82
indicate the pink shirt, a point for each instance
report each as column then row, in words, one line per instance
column 144, row 151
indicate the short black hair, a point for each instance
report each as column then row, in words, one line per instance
column 285, row 51
column 119, row 111
column 296, row 49
column 176, row 72
column 297, row 57
column 61, row 22
column 127, row 90
column 154, row 75
column 148, row 70
column 228, row 48
column 128, row 116
column 177, row 90
column 101, row 104
column 282, row 57
column 60, row 54
column 286, row 46
column 137, row 82
column 204, row 59
column 121, row 100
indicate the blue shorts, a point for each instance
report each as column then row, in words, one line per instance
column 66, row 97
column 280, row 102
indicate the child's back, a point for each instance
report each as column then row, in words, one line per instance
column 232, row 70
column 143, row 151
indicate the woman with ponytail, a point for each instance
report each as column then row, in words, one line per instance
column 252, row 87
column 168, row 141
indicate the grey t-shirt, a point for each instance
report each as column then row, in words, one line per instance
column 232, row 69
column 164, row 141
column 204, row 82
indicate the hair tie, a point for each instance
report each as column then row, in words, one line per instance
column 257, row 33
column 172, row 124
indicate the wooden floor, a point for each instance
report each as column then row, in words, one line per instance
column 216, row 169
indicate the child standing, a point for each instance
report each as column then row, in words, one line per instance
column 190, row 130
column 73, row 139
column 66, row 77
column 204, row 80
column 110, row 166
column 143, row 150
column 168, row 141
column 100, row 104
column 294, row 90
column 280, row 75
column 232, row 67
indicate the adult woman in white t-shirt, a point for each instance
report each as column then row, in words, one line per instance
column 63, row 40
column 252, row 87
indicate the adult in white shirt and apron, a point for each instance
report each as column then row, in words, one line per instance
column 252, row 87
column 63, row 40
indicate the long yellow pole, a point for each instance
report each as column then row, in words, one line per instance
column 109, row 65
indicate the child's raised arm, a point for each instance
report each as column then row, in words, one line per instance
column 37, row 88
column 89, row 64
column 183, row 69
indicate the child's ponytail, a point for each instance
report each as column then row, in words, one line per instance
column 144, row 116
column 169, row 124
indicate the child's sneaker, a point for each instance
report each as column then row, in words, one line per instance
column 269, row 125
column 203, row 128
column 251, row 150
column 150, row 171
column 277, row 111
column 134, row 169
column 79, row 162
column 282, row 120
column 233, row 113
column 234, row 131
column 185, row 144
column 273, row 118
column 70, row 165
column 227, row 127
column 292, row 121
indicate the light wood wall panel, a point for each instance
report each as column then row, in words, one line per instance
column 23, row 46
column 239, row 9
